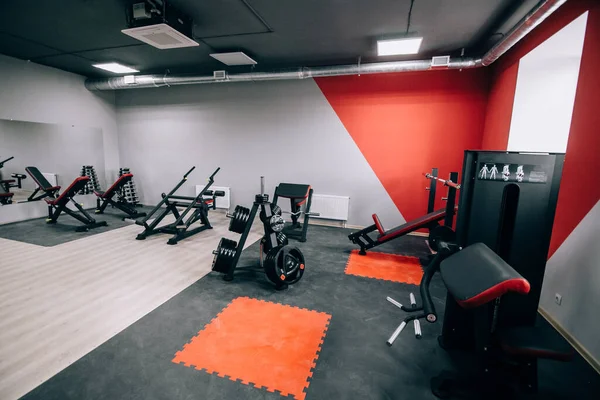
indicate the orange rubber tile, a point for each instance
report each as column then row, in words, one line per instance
column 390, row 267
column 267, row 344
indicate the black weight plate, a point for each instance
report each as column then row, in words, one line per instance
column 275, row 210
column 239, row 219
column 284, row 264
column 276, row 223
column 441, row 234
column 224, row 255
column 282, row 240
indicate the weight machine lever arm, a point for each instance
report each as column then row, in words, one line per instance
column 445, row 182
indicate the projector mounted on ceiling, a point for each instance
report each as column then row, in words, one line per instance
column 158, row 24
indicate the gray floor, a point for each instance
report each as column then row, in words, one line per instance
column 37, row 231
column 354, row 363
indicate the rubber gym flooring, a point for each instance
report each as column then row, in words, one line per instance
column 223, row 340
column 38, row 232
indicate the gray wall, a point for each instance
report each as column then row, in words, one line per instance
column 32, row 92
column 59, row 149
column 285, row 130
column 573, row 271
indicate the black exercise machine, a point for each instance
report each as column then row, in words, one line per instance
column 299, row 195
column 108, row 197
column 180, row 229
column 5, row 196
column 210, row 197
column 283, row 264
column 8, row 184
column 42, row 185
column 504, row 225
column 59, row 205
column 428, row 221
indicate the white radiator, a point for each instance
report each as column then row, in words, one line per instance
column 51, row 178
column 222, row 202
column 330, row 207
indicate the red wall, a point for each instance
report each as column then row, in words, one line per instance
column 406, row 123
column 576, row 196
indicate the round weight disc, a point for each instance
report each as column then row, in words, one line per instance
column 239, row 219
column 282, row 240
column 441, row 234
column 277, row 223
column 284, row 264
column 224, row 255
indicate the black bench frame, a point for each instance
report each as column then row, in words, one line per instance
column 59, row 205
column 296, row 230
column 180, row 229
column 108, row 198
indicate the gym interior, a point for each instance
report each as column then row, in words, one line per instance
column 252, row 199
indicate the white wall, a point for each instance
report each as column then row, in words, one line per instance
column 32, row 92
column 284, row 130
column 545, row 92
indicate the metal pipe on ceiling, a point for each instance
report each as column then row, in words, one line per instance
column 542, row 11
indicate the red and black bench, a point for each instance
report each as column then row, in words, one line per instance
column 114, row 197
column 428, row 221
column 477, row 279
column 300, row 196
column 43, row 186
column 56, row 206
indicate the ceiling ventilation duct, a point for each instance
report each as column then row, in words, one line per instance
column 159, row 24
column 526, row 25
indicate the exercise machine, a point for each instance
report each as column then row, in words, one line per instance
column 300, row 201
column 429, row 221
column 59, row 205
column 493, row 268
column 115, row 191
column 8, row 184
column 210, row 196
column 196, row 207
column 283, row 264
column 43, row 186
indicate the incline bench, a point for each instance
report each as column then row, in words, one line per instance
column 107, row 197
column 59, row 205
column 299, row 195
column 42, row 185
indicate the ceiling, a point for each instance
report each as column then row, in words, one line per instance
column 73, row 34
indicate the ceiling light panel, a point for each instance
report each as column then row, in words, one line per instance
column 394, row 47
column 116, row 68
column 235, row 58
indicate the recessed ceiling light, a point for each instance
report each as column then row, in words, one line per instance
column 116, row 68
column 235, row 58
column 393, row 47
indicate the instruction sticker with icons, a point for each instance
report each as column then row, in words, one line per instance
column 527, row 173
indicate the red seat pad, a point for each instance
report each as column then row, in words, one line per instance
column 123, row 179
column 78, row 184
column 7, row 181
column 7, row 194
column 413, row 225
column 476, row 275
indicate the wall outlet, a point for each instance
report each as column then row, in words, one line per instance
column 557, row 298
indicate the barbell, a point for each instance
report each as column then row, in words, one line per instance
column 445, row 182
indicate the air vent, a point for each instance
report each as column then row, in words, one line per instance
column 235, row 58
column 440, row 61
column 161, row 36
column 220, row 74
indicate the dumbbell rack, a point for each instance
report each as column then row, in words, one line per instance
column 283, row 264
column 128, row 193
column 89, row 171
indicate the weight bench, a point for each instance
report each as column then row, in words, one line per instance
column 108, row 197
column 299, row 195
column 210, row 197
column 59, row 205
column 42, row 185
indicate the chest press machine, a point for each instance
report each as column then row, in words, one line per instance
column 430, row 220
column 493, row 269
column 197, row 208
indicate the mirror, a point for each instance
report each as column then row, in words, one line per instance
column 58, row 151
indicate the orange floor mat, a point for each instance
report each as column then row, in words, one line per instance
column 257, row 342
column 390, row 267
